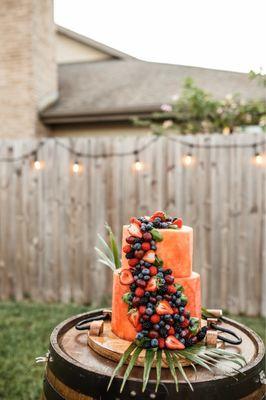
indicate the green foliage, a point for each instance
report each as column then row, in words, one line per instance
column 196, row 111
column 110, row 255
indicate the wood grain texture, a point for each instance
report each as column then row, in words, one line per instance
column 49, row 219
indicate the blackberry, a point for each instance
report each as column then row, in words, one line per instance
column 133, row 286
column 163, row 332
column 202, row 333
column 147, row 325
column 130, row 255
column 188, row 342
column 143, row 227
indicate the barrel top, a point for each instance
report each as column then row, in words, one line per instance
column 71, row 346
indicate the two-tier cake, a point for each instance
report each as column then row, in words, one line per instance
column 156, row 295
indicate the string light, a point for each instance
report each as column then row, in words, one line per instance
column 37, row 164
column 137, row 165
column 76, row 167
column 257, row 157
column 188, row 159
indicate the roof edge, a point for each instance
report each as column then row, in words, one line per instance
column 93, row 43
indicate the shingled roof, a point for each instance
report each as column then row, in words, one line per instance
column 115, row 90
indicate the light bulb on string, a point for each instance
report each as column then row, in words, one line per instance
column 257, row 156
column 137, row 165
column 76, row 167
column 188, row 159
column 37, row 164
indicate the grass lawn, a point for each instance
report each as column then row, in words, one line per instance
column 24, row 334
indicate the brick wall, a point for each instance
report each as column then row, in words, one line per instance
column 28, row 78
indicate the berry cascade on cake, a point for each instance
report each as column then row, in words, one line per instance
column 156, row 295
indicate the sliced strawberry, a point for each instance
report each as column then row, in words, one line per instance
column 153, row 271
column 151, row 285
column 133, row 262
column 134, row 220
column 146, row 246
column 173, row 343
column 127, row 248
column 185, row 323
column 155, row 318
column 133, row 317
column 149, row 256
column 139, row 328
column 126, row 277
column 178, row 222
column 161, row 343
column 142, row 309
column 134, row 230
column 158, row 214
column 163, row 307
column 139, row 292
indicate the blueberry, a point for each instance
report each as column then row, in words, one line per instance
column 139, row 336
column 147, row 265
column 160, row 269
column 167, row 317
column 176, row 317
column 142, row 262
column 143, row 227
column 183, row 303
column 157, row 219
column 154, row 343
column 160, row 274
column 181, row 310
column 153, row 248
column 146, row 271
column 158, row 297
column 147, row 294
column 177, row 335
column 178, row 294
column 162, row 323
column 164, row 225
column 149, row 311
column 137, row 246
column 182, row 340
column 144, row 332
column 178, row 302
column 174, row 298
column 181, row 318
column 167, row 327
column 156, row 327
column 140, row 276
column 146, row 278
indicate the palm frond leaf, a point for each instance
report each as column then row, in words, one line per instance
column 114, row 247
column 130, row 366
column 104, row 259
column 158, row 368
column 121, row 362
column 181, row 370
column 171, row 365
column 106, row 248
column 149, row 356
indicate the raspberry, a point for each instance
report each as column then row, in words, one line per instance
column 133, row 262
column 146, row 246
column 142, row 309
column 155, row 318
column 153, row 271
column 171, row 331
column 139, row 292
column 127, row 248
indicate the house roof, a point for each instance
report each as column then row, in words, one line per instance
column 116, row 54
column 115, row 90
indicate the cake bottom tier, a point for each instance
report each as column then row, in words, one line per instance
column 121, row 325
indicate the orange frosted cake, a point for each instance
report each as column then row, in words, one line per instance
column 156, row 295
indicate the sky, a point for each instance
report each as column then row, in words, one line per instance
column 220, row 34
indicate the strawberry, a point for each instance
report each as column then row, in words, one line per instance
column 152, row 285
column 163, row 307
column 158, row 214
column 169, row 279
column 171, row 289
column 147, row 236
column 153, row 270
column 133, row 317
column 161, row 343
column 133, row 262
column 135, row 301
column 142, row 309
column 126, row 277
column 146, row 246
column 173, row 343
column 171, row 331
column 139, row 292
column 134, row 220
column 141, row 283
column 149, row 256
column 178, row 222
column 127, row 248
column 139, row 328
column 134, row 230
column 155, row 318
column 139, row 254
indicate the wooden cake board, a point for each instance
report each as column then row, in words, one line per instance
column 104, row 342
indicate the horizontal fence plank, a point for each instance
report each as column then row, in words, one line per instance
column 49, row 218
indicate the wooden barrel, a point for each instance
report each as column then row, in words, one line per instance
column 75, row 372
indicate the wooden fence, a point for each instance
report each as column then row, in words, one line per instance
column 49, row 218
